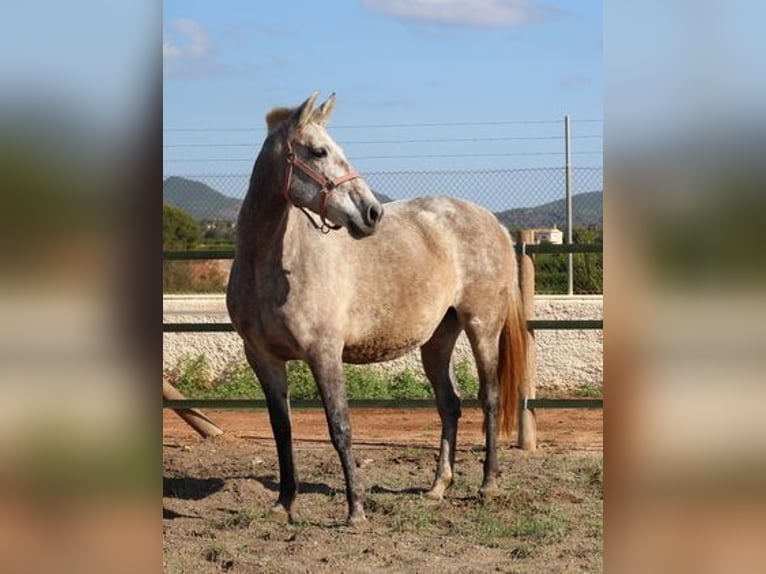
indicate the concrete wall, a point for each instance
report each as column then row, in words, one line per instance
column 565, row 359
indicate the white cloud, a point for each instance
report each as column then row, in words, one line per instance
column 199, row 45
column 170, row 51
column 189, row 50
column 471, row 13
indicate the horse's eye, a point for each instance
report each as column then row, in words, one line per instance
column 318, row 151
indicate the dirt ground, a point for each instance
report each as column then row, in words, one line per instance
column 217, row 494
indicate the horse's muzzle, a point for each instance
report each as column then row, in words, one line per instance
column 373, row 215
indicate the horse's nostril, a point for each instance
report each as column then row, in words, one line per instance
column 374, row 213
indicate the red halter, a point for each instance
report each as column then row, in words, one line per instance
column 326, row 186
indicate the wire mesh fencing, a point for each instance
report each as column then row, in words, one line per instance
column 530, row 198
column 535, row 197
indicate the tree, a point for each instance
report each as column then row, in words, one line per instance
column 179, row 229
column 588, row 268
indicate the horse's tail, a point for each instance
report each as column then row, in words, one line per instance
column 512, row 366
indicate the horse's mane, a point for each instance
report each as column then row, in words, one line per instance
column 276, row 116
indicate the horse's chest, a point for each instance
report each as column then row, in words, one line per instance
column 282, row 326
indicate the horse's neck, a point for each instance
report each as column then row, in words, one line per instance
column 264, row 219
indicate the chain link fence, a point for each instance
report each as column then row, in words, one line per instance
column 524, row 197
column 532, row 198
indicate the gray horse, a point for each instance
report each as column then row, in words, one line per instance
column 302, row 287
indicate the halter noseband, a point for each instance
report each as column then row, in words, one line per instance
column 326, row 186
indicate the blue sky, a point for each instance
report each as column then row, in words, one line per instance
column 495, row 76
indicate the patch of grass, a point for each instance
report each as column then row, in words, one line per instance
column 192, row 377
column 408, row 385
column 240, row 519
column 589, row 472
column 588, row 391
column 596, row 474
column 219, row 554
column 490, row 527
column 467, row 380
column 301, row 382
column 365, row 383
column 594, row 526
column 411, row 515
column 238, row 382
column 525, row 513
column 214, row 552
column 521, row 552
column 544, row 527
column 382, row 505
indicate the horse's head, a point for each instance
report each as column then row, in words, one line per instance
column 317, row 176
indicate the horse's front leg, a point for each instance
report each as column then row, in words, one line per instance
column 272, row 376
column 328, row 374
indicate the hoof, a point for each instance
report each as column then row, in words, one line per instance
column 280, row 513
column 358, row 520
column 489, row 491
column 435, row 494
column 440, row 486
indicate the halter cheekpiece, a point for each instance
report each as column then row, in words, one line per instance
column 326, row 186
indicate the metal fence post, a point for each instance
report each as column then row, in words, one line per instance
column 527, row 425
column 568, row 179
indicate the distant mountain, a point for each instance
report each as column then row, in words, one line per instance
column 199, row 200
column 587, row 209
column 381, row 197
column 203, row 202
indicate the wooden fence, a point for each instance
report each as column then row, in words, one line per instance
column 527, row 427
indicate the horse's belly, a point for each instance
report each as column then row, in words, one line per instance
column 378, row 349
column 389, row 338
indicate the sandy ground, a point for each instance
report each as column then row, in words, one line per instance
column 571, row 429
column 217, row 494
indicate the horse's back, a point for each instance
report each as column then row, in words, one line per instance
column 429, row 255
column 470, row 234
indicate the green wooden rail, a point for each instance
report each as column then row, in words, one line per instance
column 535, row 324
column 563, row 248
column 248, row 404
column 520, row 248
column 210, row 254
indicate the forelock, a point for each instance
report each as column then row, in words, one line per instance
column 276, row 116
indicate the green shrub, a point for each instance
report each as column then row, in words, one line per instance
column 587, row 268
column 365, row 383
column 192, row 377
column 301, row 382
column 467, row 381
column 408, row 385
column 179, row 229
column 238, row 382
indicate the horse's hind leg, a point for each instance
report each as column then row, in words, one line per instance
column 272, row 376
column 437, row 364
column 484, row 343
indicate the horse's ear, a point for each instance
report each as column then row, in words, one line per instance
column 322, row 113
column 306, row 109
column 275, row 118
